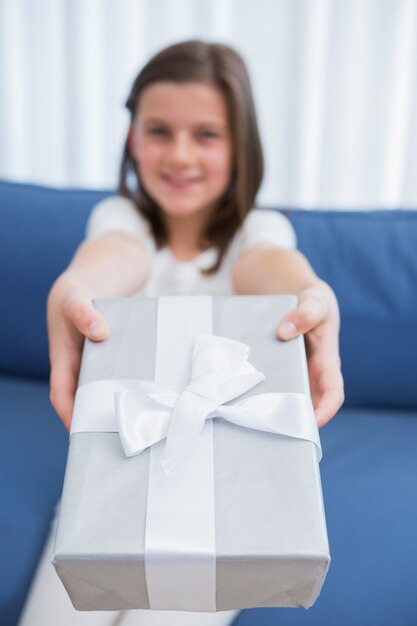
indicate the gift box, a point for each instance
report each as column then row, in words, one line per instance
column 192, row 480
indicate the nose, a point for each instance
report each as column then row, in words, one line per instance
column 181, row 149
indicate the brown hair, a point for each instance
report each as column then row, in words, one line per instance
column 223, row 67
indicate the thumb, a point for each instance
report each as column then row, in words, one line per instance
column 310, row 312
column 79, row 309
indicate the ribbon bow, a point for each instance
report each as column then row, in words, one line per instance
column 220, row 372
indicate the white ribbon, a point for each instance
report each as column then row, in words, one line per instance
column 147, row 412
column 220, row 373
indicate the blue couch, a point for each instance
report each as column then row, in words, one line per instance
column 369, row 468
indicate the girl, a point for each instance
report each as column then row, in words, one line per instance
column 183, row 223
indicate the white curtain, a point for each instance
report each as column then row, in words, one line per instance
column 335, row 83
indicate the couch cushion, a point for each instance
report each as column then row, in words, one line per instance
column 40, row 230
column 368, row 472
column 33, row 446
column 370, row 259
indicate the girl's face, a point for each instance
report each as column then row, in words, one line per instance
column 181, row 142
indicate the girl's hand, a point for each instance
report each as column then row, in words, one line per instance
column 115, row 264
column 71, row 316
column 317, row 317
column 267, row 270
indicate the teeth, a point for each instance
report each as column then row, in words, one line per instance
column 180, row 181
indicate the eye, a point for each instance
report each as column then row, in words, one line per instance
column 157, row 131
column 207, row 134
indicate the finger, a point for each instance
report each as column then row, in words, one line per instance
column 63, row 403
column 329, row 402
column 326, row 382
column 65, row 357
column 307, row 315
column 80, row 310
column 64, row 378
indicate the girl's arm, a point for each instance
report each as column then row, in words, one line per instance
column 263, row 269
column 112, row 265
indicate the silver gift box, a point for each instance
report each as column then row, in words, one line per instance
column 270, row 532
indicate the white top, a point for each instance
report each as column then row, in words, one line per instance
column 168, row 276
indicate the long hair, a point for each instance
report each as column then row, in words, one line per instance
column 222, row 67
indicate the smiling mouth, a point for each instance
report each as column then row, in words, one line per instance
column 180, row 183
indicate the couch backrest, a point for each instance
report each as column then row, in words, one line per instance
column 40, row 230
column 370, row 259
